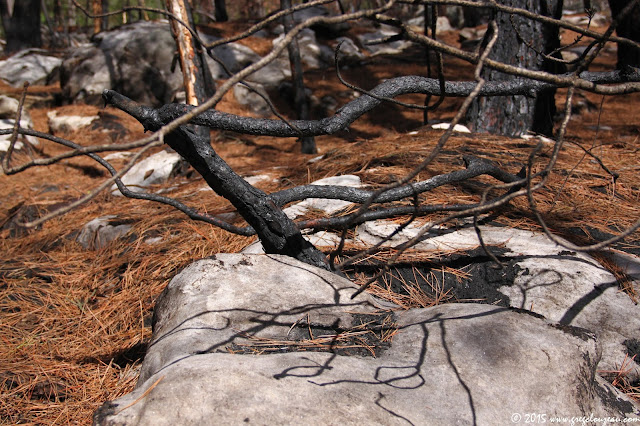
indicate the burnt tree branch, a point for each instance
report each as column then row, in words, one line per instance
column 353, row 110
column 278, row 233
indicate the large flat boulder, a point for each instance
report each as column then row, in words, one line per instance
column 564, row 286
column 267, row 339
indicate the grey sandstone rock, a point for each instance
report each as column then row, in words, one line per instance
column 251, row 99
column 29, row 65
column 313, row 54
column 154, row 169
column 567, row 287
column 99, row 232
column 68, row 123
column 349, row 52
column 8, row 110
column 136, row 60
column 328, row 206
column 392, row 48
column 450, row 364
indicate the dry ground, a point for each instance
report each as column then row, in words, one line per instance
column 74, row 322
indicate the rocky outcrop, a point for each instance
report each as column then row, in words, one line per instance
column 32, row 66
column 267, row 339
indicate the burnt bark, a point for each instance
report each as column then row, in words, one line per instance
column 220, row 12
column 521, row 42
column 300, row 100
column 348, row 113
column 278, row 233
column 628, row 27
column 22, row 25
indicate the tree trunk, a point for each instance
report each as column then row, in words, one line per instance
column 628, row 27
column 198, row 83
column 220, row 12
column 100, row 7
column 21, row 25
column 300, row 101
column 515, row 115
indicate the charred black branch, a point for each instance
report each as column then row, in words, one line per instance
column 475, row 167
column 154, row 118
column 278, row 233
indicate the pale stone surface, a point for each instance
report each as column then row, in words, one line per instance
column 451, row 364
column 99, row 232
column 564, row 286
column 28, row 65
column 8, row 110
column 457, row 128
column 152, row 170
column 312, row 53
column 393, row 48
column 145, row 76
column 253, row 100
column 349, row 52
column 68, row 123
column 326, row 205
column 230, row 295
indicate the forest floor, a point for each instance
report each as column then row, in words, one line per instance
column 74, row 322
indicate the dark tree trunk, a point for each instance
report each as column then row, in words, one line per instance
column 300, row 101
column 22, row 27
column 220, row 12
column 628, row 27
column 519, row 41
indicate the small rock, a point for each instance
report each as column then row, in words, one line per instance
column 8, row 110
column 326, row 205
column 155, row 169
column 68, row 123
column 29, row 65
column 253, row 100
column 370, row 41
column 99, row 232
column 457, row 128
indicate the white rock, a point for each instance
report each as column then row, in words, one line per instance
column 566, row 287
column 253, row 100
column 8, row 110
column 312, row 54
column 28, row 65
column 442, row 23
column 326, row 205
column 68, row 123
column 393, row 48
column 457, row 128
column 451, row 364
column 252, row 180
column 99, row 232
column 152, row 170
column 124, row 155
column 349, row 52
